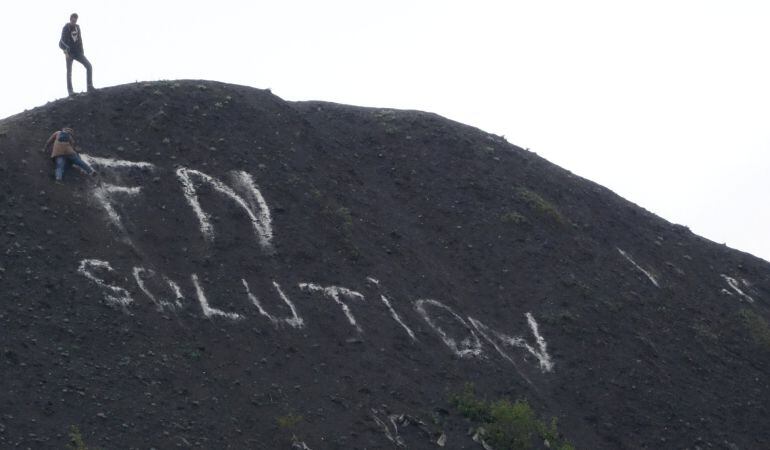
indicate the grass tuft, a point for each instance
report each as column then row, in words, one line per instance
column 508, row 426
column 76, row 440
column 538, row 203
column 758, row 327
column 289, row 420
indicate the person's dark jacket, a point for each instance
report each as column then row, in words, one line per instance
column 71, row 39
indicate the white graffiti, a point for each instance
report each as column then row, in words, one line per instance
column 105, row 193
column 208, row 311
column 263, row 222
column 392, row 311
column 255, row 207
column 116, row 163
column 469, row 346
column 735, row 286
column 541, row 353
column 638, row 267
column 294, row 321
column 252, row 202
column 161, row 304
column 397, row 318
column 334, row 292
column 117, row 295
column 437, row 315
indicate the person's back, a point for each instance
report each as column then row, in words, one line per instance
column 63, row 153
column 63, row 143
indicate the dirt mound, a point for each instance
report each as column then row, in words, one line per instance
column 253, row 273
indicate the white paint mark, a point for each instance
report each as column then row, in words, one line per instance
column 162, row 304
column 393, row 312
column 255, row 208
column 334, row 293
column 546, row 364
column 541, row 353
column 734, row 285
column 396, row 317
column 208, row 311
column 294, row 321
column 104, row 194
column 118, row 296
column 263, row 222
column 468, row 347
column 648, row 274
column 392, row 436
column 485, row 333
column 115, row 163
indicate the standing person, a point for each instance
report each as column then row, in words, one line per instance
column 72, row 43
column 64, row 153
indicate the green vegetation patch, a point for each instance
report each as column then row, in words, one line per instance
column 507, row 426
column 758, row 327
column 289, row 420
column 513, row 217
column 538, row 203
column 342, row 218
column 76, row 440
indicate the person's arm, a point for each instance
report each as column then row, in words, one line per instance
column 50, row 141
column 64, row 38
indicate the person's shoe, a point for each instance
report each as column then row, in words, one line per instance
column 58, row 181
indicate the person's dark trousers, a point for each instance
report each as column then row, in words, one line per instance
column 89, row 71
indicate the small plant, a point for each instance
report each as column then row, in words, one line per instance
column 288, row 421
column 512, row 426
column 757, row 326
column 550, row 433
column 505, row 425
column 470, row 406
column 344, row 214
column 193, row 354
column 704, row 332
column 513, row 217
column 76, row 439
column 538, row 203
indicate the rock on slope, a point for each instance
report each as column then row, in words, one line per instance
column 248, row 272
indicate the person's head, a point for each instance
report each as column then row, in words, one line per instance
column 68, row 130
column 74, row 18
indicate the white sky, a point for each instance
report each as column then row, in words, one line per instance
column 666, row 103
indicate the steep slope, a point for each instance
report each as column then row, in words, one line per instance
column 247, row 272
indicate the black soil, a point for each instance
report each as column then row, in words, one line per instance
column 430, row 208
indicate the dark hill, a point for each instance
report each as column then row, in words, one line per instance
column 247, row 272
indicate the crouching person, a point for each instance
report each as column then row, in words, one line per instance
column 63, row 153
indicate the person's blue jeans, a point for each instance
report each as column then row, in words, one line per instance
column 63, row 161
column 89, row 71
